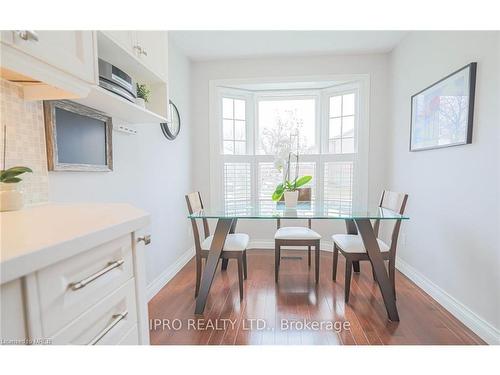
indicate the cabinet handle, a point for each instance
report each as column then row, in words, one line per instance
column 146, row 239
column 82, row 283
column 116, row 319
column 28, row 35
column 140, row 50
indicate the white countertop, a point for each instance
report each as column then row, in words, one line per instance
column 38, row 236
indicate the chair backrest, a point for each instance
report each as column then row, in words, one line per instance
column 304, row 196
column 396, row 202
column 195, row 205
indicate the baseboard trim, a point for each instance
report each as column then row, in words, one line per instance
column 157, row 284
column 473, row 321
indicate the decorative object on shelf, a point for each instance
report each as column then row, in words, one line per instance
column 143, row 95
column 442, row 114
column 172, row 128
column 11, row 196
column 79, row 138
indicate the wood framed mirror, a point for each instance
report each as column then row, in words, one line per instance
column 79, row 138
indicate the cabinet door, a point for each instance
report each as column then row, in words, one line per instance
column 126, row 39
column 13, row 322
column 70, row 51
column 153, row 50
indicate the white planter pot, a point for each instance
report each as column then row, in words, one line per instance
column 140, row 102
column 11, row 198
column 291, row 198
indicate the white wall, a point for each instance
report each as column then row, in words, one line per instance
column 150, row 172
column 452, row 239
column 376, row 65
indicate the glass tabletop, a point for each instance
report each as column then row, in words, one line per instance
column 304, row 210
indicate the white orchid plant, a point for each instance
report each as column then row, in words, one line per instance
column 283, row 162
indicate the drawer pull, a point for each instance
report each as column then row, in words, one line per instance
column 116, row 319
column 28, row 35
column 80, row 284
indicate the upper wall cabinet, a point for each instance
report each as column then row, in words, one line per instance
column 144, row 56
column 64, row 65
column 149, row 47
column 50, row 64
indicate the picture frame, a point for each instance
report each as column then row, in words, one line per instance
column 105, row 146
column 442, row 114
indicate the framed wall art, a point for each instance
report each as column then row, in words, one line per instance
column 442, row 114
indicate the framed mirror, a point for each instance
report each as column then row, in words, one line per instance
column 171, row 129
column 79, row 138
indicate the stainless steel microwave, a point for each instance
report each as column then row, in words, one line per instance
column 117, row 81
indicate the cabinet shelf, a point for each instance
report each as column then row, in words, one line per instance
column 120, row 109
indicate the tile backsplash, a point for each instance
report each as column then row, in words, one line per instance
column 25, row 140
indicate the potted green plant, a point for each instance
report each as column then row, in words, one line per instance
column 11, row 198
column 289, row 187
column 143, row 95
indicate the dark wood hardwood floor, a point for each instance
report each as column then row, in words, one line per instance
column 278, row 313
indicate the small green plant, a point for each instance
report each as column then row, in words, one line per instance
column 10, row 176
column 289, row 185
column 143, row 92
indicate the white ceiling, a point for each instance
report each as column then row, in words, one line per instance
column 214, row 45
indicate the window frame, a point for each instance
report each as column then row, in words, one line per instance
column 219, row 88
column 290, row 95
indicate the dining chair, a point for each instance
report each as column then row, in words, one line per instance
column 352, row 248
column 297, row 236
column 234, row 247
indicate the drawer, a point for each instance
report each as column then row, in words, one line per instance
column 100, row 271
column 107, row 323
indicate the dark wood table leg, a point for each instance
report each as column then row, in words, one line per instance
column 221, row 231
column 350, row 226
column 231, row 230
column 367, row 234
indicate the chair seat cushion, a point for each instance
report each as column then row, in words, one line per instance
column 234, row 242
column 352, row 243
column 296, row 233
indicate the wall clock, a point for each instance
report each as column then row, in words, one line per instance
column 171, row 129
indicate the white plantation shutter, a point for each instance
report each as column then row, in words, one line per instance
column 338, row 186
column 237, row 186
column 268, row 178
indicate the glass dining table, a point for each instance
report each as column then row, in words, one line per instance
column 357, row 222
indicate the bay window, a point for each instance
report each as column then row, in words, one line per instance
column 324, row 125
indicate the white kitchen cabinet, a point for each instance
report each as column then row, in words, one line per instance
column 49, row 64
column 71, row 51
column 125, row 38
column 12, row 314
column 79, row 279
column 150, row 48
